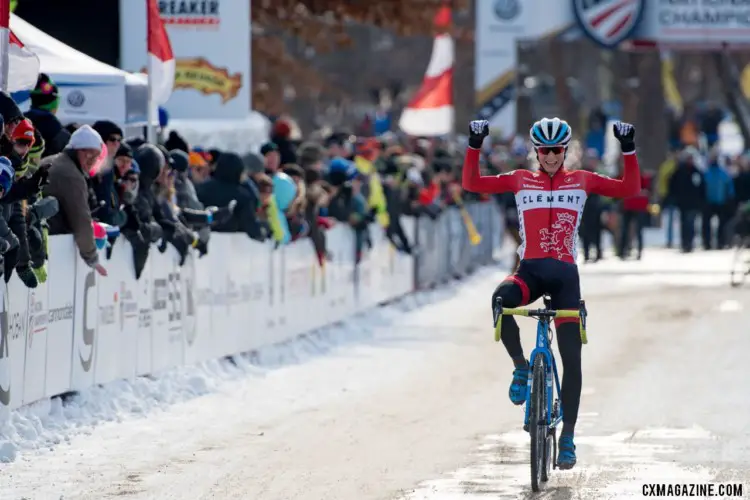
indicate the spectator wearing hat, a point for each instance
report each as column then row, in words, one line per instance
column 176, row 142
column 281, row 136
column 200, row 171
column 29, row 217
column 12, row 116
column 192, row 213
column 68, row 172
column 227, row 185
column 271, row 158
column 45, row 100
column 14, row 203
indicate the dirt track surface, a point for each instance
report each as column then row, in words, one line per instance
column 419, row 409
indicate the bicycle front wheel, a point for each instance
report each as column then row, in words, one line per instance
column 537, row 422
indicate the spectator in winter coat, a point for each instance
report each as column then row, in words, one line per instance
column 45, row 100
column 183, row 238
column 33, row 213
column 225, row 186
column 14, row 211
column 394, row 201
column 103, row 182
column 634, row 215
column 317, row 200
column 687, row 189
column 719, row 202
column 591, row 220
column 742, row 180
column 68, row 183
column 8, row 240
column 281, row 136
column 153, row 200
column 191, row 211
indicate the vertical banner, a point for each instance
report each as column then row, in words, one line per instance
column 84, row 326
column 13, row 327
column 117, row 346
column 166, row 325
column 259, row 310
column 108, row 355
column 500, row 24
column 145, row 299
column 222, row 327
column 211, row 45
column 61, row 275
column 36, row 344
column 200, row 292
column 238, row 281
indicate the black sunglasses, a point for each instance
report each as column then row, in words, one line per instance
column 545, row 150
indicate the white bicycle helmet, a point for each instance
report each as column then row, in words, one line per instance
column 550, row 132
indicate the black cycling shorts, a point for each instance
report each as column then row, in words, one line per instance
column 558, row 279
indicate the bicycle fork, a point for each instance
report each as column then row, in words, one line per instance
column 554, row 412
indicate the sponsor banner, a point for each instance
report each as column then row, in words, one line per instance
column 145, row 298
column 36, row 341
column 696, row 22
column 13, row 332
column 211, row 44
column 166, row 325
column 61, row 272
column 84, row 326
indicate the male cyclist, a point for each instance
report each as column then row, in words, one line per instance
column 550, row 203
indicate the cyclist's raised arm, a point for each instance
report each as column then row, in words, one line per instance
column 473, row 181
column 629, row 185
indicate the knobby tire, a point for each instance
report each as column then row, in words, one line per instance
column 537, row 422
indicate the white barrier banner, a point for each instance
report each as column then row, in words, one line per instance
column 80, row 329
column 61, row 275
column 36, row 342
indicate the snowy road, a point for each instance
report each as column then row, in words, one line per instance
column 416, row 407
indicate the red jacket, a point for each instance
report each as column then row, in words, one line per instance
column 549, row 208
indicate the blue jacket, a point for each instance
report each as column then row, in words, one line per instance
column 719, row 185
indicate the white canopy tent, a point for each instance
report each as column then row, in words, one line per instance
column 89, row 89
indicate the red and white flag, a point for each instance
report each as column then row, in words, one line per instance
column 430, row 111
column 161, row 57
column 23, row 66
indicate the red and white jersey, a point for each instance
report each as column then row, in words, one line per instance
column 550, row 207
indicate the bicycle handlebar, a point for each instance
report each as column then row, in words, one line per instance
column 542, row 313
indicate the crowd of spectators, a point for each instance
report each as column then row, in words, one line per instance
column 92, row 182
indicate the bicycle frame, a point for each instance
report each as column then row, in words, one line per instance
column 543, row 348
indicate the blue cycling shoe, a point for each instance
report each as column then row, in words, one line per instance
column 519, row 385
column 566, row 458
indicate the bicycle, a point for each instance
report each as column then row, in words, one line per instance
column 542, row 414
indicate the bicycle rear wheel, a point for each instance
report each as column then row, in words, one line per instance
column 537, row 423
column 740, row 261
